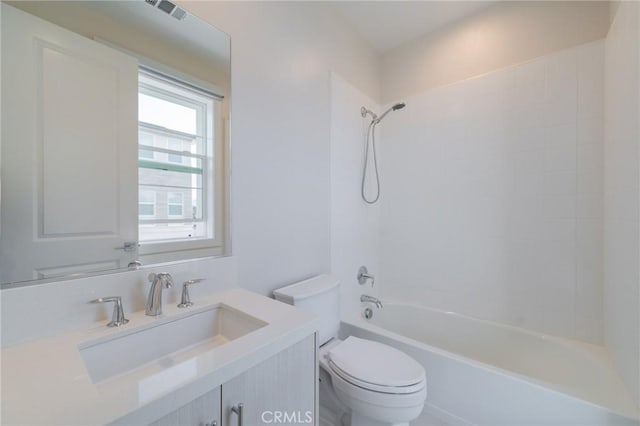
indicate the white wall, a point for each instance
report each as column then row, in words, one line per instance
column 504, row 34
column 282, row 53
column 621, row 201
column 354, row 224
column 491, row 202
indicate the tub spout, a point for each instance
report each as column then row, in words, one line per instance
column 371, row 299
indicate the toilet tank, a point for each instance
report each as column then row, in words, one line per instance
column 320, row 295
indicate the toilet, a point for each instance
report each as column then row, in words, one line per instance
column 362, row 382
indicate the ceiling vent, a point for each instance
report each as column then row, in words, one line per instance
column 179, row 14
column 168, row 8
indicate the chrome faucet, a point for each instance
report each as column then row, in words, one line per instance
column 185, row 300
column 154, row 301
column 117, row 318
column 371, row 299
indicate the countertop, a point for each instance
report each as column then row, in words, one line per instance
column 46, row 382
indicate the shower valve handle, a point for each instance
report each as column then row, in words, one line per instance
column 364, row 275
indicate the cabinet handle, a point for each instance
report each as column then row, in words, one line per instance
column 239, row 409
column 213, row 423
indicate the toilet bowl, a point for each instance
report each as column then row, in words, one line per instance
column 378, row 383
column 371, row 383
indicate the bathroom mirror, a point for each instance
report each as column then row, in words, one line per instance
column 114, row 140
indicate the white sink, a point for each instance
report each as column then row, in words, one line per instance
column 168, row 340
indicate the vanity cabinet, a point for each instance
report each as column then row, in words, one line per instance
column 202, row 411
column 280, row 390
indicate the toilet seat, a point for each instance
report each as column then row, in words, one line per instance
column 374, row 367
column 348, row 393
column 416, row 387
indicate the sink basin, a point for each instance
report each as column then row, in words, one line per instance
column 169, row 341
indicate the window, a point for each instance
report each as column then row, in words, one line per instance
column 175, row 204
column 176, row 145
column 146, row 204
column 145, row 139
column 179, row 162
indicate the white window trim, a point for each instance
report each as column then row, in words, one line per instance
column 156, row 252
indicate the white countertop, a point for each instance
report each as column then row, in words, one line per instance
column 45, row 381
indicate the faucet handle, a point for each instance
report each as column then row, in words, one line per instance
column 117, row 318
column 185, row 301
column 364, row 275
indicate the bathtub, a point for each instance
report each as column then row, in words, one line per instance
column 483, row 373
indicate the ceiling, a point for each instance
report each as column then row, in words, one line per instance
column 192, row 35
column 388, row 24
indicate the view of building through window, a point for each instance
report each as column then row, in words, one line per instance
column 175, row 157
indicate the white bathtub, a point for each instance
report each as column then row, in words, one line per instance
column 483, row 373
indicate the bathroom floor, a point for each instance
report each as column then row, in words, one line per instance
column 426, row 419
column 327, row 418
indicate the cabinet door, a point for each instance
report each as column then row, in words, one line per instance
column 199, row 412
column 281, row 390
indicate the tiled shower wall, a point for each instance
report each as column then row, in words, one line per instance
column 354, row 224
column 622, row 189
column 492, row 196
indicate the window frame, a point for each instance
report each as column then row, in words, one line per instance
column 214, row 182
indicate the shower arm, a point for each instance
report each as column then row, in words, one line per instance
column 364, row 111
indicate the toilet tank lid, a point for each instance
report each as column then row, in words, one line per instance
column 301, row 290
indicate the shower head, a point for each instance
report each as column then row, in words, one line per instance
column 395, row 107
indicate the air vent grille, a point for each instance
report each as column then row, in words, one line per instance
column 169, row 8
column 179, row 14
column 166, row 6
